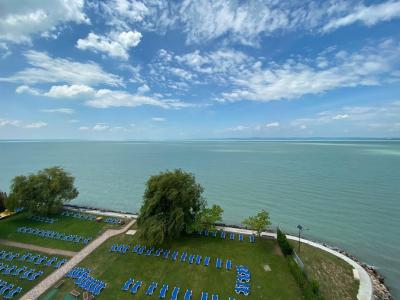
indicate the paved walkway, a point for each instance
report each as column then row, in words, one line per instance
column 38, row 248
column 365, row 290
column 56, row 276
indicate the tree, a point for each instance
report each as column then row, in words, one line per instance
column 43, row 193
column 259, row 222
column 3, row 200
column 206, row 219
column 171, row 201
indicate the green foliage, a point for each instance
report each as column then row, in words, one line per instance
column 43, row 193
column 206, row 219
column 172, row 200
column 259, row 222
column 285, row 246
column 3, row 200
column 310, row 288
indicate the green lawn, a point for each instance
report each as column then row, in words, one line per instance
column 25, row 284
column 335, row 276
column 68, row 225
column 115, row 269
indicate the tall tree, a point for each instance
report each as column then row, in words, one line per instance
column 42, row 193
column 172, row 200
column 206, row 219
column 259, row 222
column 3, row 200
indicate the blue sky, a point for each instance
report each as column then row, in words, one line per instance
column 125, row 69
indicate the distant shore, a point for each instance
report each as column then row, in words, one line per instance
column 379, row 290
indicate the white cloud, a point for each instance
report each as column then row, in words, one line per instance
column 115, row 44
column 45, row 69
column 105, row 98
column 69, row 91
column 340, row 117
column 272, row 125
column 36, row 125
column 84, row 128
column 4, row 51
column 369, row 15
column 24, row 89
column 5, row 122
column 22, row 19
column 295, row 78
column 58, row 110
column 73, row 121
column 158, row 119
column 100, row 127
column 143, row 89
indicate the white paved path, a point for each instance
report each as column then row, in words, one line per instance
column 57, row 275
column 365, row 290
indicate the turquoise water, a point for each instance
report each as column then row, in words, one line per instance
column 346, row 193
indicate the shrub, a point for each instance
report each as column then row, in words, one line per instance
column 286, row 248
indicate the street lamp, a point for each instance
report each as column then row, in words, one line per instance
column 301, row 229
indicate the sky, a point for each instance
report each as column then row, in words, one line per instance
column 196, row 69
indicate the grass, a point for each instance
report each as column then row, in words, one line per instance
column 115, row 269
column 335, row 276
column 25, row 284
column 68, row 225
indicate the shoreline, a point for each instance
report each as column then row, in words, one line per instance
column 374, row 287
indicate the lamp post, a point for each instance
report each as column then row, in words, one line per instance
column 301, row 229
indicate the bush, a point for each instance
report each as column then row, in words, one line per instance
column 286, row 248
column 310, row 288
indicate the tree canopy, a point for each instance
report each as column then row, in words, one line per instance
column 3, row 200
column 171, row 201
column 259, row 222
column 206, row 219
column 42, row 193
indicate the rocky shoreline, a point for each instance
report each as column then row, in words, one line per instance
column 381, row 291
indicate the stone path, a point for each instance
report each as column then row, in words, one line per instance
column 38, row 248
column 57, row 275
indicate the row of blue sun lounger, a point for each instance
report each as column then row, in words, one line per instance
column 85, row 281
column 36, row 259
column 191, row 259
column 242, row 280
column 14, row 270
column 76, row 215
column 114, row 221
column 42, row 219
column 54, row 235
column 7, row 290
column 133, row 286
column 222, row 235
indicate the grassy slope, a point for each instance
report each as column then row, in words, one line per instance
column 25, row 284
column 334, row 275
column 8, row 231
column 115, row 269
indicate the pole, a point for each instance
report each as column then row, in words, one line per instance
column 299, row 240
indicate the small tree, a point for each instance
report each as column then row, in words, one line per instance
column 259, row 222
column 172, row 200
column 3, row 200
column 206, row 219
column 42, row 193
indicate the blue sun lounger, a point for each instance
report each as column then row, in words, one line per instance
column 149, row 251
column 214, row 297
column 223, row 234
column 5, row 288
column 183, row 256
column 166, row 254
column 188, row 295
column 206, row 261
column 141, row 250
column 136, row 248
column 158, row 252
column 228, row 264
column 206, row 232
column 127, row 284
column 252, row 239
column 174, row 255
column 232, row 236
column 241, row 237
column 136, row 286
column 50, row 261
column 204, row 296
column 214, row 234
column 35, row 275
column 151, row 288
column 230, row 298
column 175, row 292
column 191, row 258
column 218, row 263
column 163, row 291
column 18, row 271
column 12, row 293
column 198, row 259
